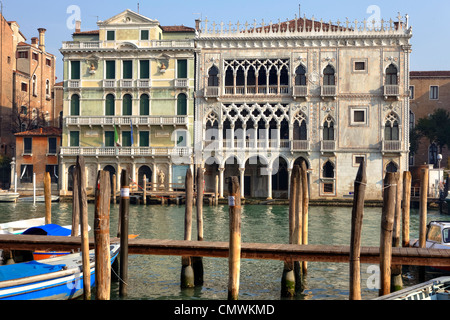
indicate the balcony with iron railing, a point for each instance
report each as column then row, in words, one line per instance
column 126, row 120
column 391, row 146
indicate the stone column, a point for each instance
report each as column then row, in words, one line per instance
column 269, row 183
column 221, row 181
column 242, row 175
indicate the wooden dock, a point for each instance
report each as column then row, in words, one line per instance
column 257, row 251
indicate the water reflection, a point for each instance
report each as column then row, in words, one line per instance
column 156, row 277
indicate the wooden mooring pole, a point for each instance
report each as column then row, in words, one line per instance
column 48, row 198
column 396, row 270
column 124, row 209
column 234, row 260
column 387, row 225
column 288, row 277
column 75, row 204
column 305, row 211
column 357, row 221
column 197, row 262
column 298, row 228
column 423, row 208
column 101, row 236
column 80, row 168
column 407, row 180
column 144, row 195
column 187, row 272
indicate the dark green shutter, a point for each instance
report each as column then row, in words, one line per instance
column 144, row 139
column 127, row 105
column 75, row 70
column 110, row 69
column 144, row 34
column 128, row 69
column 144, row 69
column 145, row 105
column 182, row 69
column 74, row 139
column 110, row 35
column 182, row 105
column 126, row 139
column 110, row 105
column 109, row 139
column 75, row 105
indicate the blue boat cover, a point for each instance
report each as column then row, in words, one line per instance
column 49, row 230
column 27, row 269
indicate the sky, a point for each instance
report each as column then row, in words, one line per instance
column 429, row 19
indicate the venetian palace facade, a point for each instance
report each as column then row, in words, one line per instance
column 128, row 100
column 272, row 95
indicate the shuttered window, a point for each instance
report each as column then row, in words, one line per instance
column 127, row 105
column 127, row 69
column 144, row 139
column 126, row 139
column 110, row 105
column 182, row 105
column 75, row 70
column 144, row 105
column 110, row 70
column 182, row 69
column 144, row 35
column 109, row 139
column 144, row 69
column 74, row 138
column 75, row 105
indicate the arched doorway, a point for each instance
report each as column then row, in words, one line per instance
column 112, row 172
column 280, row 179
column 144, row 170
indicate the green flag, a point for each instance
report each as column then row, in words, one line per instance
column 116, row 137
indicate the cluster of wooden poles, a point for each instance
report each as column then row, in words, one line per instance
column 395, row 212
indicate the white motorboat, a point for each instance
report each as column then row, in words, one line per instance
column 8, row 196
column 38, row 199
column 18, row 227
column 437, row 289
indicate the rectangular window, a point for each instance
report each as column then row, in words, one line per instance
column 26, row 173
column 52, row 145
column 74, row 138
column 110, row 35
column 35, row 56
column 359, row 116
column 434, row 93
column 144, row 69
column 127, row 69
column 144, row 139
column 48, row 62
column 22, row 54
column 27, row 145
column 24, row 87
column 126, row 139
column 109, row 139
column 357, row 159
column 110, row 70
column 53, row 170
column 75, row 70
column 411, row 92
column 182, row 69
column 144, row 35
column 328, row 188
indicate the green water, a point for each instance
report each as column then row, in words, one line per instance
column 156, row 277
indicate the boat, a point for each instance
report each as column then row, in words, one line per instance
column 437, row 237
column 18, row 227
column 436, row 289
column 6, row 196
column 59, row 278
column 38, row 199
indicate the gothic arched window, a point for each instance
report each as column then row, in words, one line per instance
column 300, row 76
column 391, row 75
column 329, row 76
column 213, row 77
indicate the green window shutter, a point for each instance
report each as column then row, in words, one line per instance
column 110, row 70
column 75, row 105
column 75, row 70
column 110, row 105
column 144, row 139
column 182, row 69
column 144, row 105
column 144, row 35
column 127, row 105
column 110, row 35
column 182, row 105
column 74, row 139
column 144, row 69
column 109, row 139
column 27, row 145
column 126, row 138
column 128, row 69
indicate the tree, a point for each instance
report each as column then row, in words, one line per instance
column 436, row 127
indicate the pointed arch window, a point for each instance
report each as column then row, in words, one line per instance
column 391, row 130
column 391, row 75
column 328, row 130
column 300, row 76
column 213, row 77
column 328, row 170
column 329, row 76
column 300, row 127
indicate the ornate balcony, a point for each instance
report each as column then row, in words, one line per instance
column 328, row 92
column 391, row 91
column 300, row 92
column 300, row 146
column 211, row 92
column 125, row 151
column 328, row 146
column 391, row 146
column 181, row 83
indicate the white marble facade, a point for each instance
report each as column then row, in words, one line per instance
column 271, row 95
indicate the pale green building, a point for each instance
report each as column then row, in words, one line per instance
column 129, row 101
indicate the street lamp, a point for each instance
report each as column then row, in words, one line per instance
column 439, row 159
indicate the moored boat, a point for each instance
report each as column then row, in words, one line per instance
column 436, row 289
column 59, row 278
column 38, row 199
column 9, row 196
column 18, row 227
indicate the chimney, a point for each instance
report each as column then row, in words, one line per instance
column 42, row 38
column 197, row 24
column 77, row 26
column 34, row 42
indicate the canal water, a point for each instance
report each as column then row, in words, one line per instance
column 158, row 277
